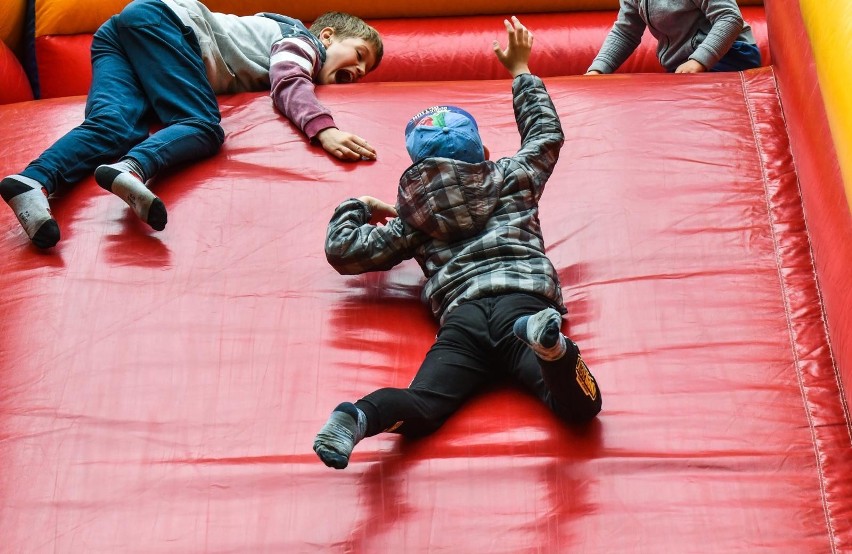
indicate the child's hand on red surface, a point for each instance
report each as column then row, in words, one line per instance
column 345, row 146
column 690, row 66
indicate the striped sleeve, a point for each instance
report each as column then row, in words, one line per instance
column 293, row 66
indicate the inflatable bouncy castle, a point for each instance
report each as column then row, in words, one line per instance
column 160, row 391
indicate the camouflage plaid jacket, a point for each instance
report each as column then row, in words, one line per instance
column 473, row 228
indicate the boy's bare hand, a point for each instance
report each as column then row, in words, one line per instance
column 345, row 146
column 517, row 54
column 380, row 211
column 690, row 66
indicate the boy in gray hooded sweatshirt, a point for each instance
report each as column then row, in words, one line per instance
column 692, row 36
column 473, row 227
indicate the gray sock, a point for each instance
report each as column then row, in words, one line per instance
column 125, row 180
column 541, row 332
column 27, row 199
column 344, row 429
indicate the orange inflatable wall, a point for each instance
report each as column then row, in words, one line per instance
column 52, row 16
column 12, row 22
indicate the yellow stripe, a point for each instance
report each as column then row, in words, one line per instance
column 829, row 26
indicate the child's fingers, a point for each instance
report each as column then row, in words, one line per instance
column 362, row 148
column 512, row 32
column 520, row 30
column 499, row 52
column 354, row 152
column 522, row 34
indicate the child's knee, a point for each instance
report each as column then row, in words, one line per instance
column 577, row 415
column 219, row 135
column 217, row 140
column 210, row 134
column 111, row 123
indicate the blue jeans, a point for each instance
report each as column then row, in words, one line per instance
column 741, row 56
column 144, row 61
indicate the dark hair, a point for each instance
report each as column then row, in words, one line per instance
column 349, row 26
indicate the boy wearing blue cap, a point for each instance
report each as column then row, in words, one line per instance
column 472, row 225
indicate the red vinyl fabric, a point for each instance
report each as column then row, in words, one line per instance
column 64, row 65
column 452, row 49
column 428, row 49
column 159, row 392
column 15, row 87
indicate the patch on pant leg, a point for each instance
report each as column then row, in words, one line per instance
column 393, row 427
column 585, row 380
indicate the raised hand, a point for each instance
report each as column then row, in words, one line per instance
column 516, row 56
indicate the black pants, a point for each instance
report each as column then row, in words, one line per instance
column 474, row 347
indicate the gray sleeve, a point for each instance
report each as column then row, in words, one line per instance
column 539, row 127
column 622, row 40
column 353, row 246
column 727, row 23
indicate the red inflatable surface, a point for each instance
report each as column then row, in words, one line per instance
column 15, row 87
column 433, row 49
column 160, row 391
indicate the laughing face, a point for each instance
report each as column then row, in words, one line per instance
column 347, row 60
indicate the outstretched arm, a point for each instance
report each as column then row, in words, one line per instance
column 515, row 58
column 292, row 67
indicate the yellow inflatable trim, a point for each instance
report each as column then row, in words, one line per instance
column 829, row 26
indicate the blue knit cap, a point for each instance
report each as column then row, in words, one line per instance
column 444, row 132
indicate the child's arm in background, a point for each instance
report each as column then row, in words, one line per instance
column 624, row 37
column 293, row 63
column 727, row 23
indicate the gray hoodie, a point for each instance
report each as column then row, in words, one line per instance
column 700, row 30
